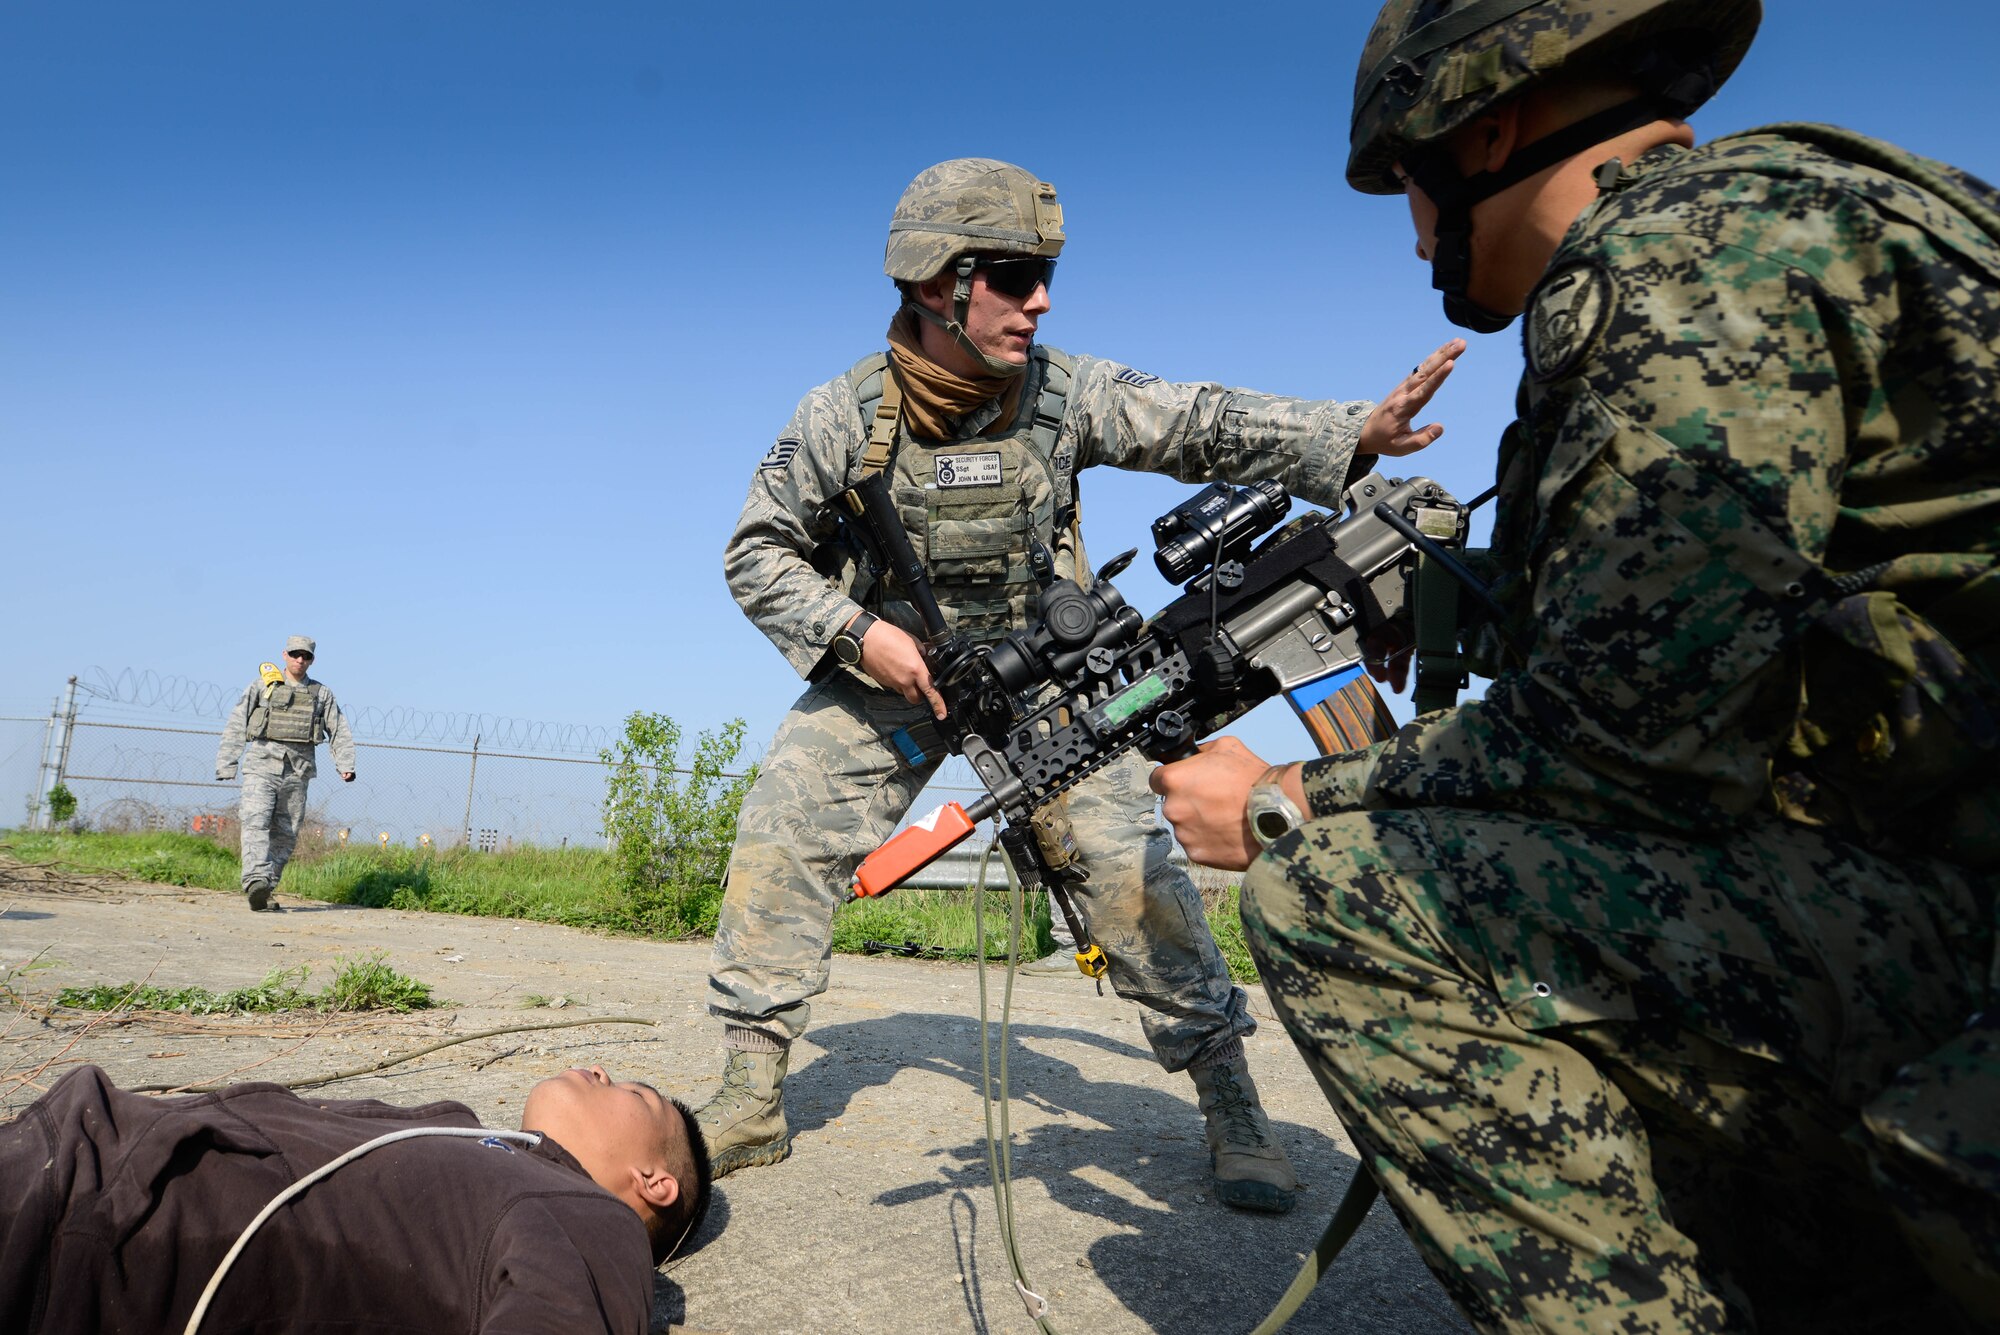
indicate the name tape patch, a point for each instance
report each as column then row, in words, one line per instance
column 780, row 457
column 1137, row 379
column 968, row 470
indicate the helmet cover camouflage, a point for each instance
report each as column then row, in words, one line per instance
column 1430, row 66
column 967, row 205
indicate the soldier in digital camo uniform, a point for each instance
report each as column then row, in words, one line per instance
column 281, row 719
column 982, row 431
column 1656, row 987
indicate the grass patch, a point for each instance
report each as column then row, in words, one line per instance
column 165, row 859
column 372, row 984
column 939, row 924
column 575, row 887
column 368, row 984
column 571, row 886
column 1225, row 922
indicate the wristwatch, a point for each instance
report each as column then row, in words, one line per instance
column 1272, row 814
column 847, row 644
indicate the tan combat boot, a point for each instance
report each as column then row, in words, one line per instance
column 1251, row 1170
column 744, row 1123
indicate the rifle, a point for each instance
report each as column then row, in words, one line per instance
column 1042, row 709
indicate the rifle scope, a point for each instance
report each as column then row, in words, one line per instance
column 1217, row 523
column 1056, row 648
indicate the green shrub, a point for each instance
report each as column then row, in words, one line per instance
column 671, row 829
column 371, row 984
column 62, row 804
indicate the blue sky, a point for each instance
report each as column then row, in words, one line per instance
column 450, row 333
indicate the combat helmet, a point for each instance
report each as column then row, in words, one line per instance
column 957, row 210
column 1431, row 66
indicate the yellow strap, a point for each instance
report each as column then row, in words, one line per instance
column 882, row 432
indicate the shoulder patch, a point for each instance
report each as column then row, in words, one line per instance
column 1567, row 312
column 1137, row 379
column 779, row 459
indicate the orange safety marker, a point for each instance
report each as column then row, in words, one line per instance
column 910, row 852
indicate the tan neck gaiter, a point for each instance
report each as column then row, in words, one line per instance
column 933, row 396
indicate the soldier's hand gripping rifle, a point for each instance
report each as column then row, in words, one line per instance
column 1043, row 708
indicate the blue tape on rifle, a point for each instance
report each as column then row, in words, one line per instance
column 1313, row 692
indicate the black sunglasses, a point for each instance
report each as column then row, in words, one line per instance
column 299, row 653
column 1019, row 276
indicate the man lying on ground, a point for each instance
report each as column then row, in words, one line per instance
column 116, row 1209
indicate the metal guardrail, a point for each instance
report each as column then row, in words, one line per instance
column 957, row 870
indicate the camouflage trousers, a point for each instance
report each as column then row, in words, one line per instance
column 272, row 807
column 1621, row 1081
column 832, row 788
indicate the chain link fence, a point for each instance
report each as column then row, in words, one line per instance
column 128, row 772
column 24, row 742
column 133, row 776
column 131, row 773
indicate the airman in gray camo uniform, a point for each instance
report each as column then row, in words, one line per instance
column 281, row 721
column 981, row 432
column 1657, row 987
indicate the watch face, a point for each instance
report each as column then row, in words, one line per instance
column 1271, row 825
column 847, row 649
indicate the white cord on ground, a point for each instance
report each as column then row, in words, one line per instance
column 324, row 1170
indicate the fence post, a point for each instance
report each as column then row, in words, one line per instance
column 67, row 721
column 42, row 769
column 470, row 780
column 68, row 733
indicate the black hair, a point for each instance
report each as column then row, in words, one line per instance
column 684, row 1220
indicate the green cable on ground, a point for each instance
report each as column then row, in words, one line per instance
column 1354, row 1206
column 999, row 1155
column 1347, row 1218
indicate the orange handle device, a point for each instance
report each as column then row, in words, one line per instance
column 911, row 851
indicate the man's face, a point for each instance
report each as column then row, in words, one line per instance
column 1423, row 215
column 1502, row 268
column 296, row 663
column 999, row 325
column 612, row 1127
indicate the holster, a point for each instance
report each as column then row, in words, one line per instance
column 1055, row 840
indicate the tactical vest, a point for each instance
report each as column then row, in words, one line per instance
column 288, row 713
column 971, row 506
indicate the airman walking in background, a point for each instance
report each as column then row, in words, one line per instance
column 281, row 717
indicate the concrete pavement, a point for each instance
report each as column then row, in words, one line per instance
column 882, row 1219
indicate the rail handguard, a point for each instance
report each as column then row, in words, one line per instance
column 1044, row 708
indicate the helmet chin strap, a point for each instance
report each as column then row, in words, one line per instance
column 1455, row 196
column 961, row 304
